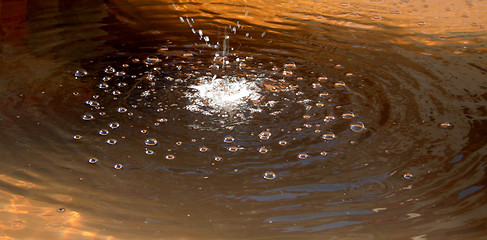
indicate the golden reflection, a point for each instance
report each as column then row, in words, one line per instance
column 43, row 220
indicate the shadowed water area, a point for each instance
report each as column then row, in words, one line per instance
column 124, row 119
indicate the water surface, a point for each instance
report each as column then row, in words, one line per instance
column 243, row 120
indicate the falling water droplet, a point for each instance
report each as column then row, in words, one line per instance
column 269, row 175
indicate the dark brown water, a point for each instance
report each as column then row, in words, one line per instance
column 150, row 119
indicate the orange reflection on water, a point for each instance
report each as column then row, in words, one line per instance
column 24, row 218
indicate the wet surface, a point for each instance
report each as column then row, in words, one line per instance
column 243, row 120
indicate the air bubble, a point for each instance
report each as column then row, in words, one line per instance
column 80, row 73
column 446, row 125
column 151, row 142
column 103, row 132
column 229, row 139
column 151, row 60
column 264, row 135
column 118, row 166
column 263, row 150
column 269, row 175
column 407, row 176
column 110, row 70
column 357, row 127
column 122, row 110
column 88, row 117
column 203, row 149
column 348, row 115
column 328, row 136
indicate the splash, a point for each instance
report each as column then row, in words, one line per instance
column 226, row 93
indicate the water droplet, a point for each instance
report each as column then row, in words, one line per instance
column 88, row 117
column 80, row 73
column 92, row 103
column 151, row 142
column 119, row 74
column 114, row 125
column 203, row 149
column 290, row 65
column 179, row 143
column 143, row 131
column 421, row 23
column 282, row 143
column 323, row 153
column 407, row 176
column 263, row 150
column 269, row 175
column 228, row 139
column 322, row 79
column 446, row 125
column 103, row 132
column 61, row 210
column 303, row 156
column 306, row 116
column 118, row 166
column 151, row 60
column 376, row 17
column 218, row 158
column 170, row 157
column 329, row 119
column 232, row 149
column 348, row 115
column 116, row 92
column 77, row 137
column 357, row 127
column 328, row 136
column 110, row 70
column 149, row 152
column 264, row 135
column 76, row 94
column 122, row 110
column 92, row 160
column 339, row 84
column 112, row 141
column 162, row 120
column 107, row 78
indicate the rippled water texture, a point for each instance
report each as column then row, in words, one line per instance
column 126, row 119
